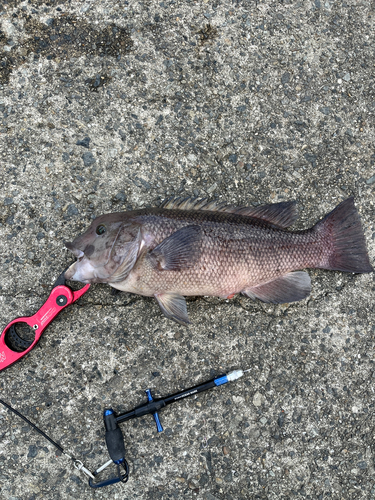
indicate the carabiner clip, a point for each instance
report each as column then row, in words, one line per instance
column 121, row 476
column 12, row 346
column 79, row 466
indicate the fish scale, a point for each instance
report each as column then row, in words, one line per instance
column 190, row 247
column 231, row 258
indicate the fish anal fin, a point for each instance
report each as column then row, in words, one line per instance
column 179, row 251
column 291, row 287
column 173, row 306
column 282, row 214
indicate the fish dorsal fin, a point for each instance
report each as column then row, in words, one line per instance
column 282, row 214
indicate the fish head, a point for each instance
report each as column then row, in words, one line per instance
column 107, row 251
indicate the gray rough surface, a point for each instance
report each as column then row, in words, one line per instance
column 250, row 102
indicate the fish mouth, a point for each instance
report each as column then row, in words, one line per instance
column 84, row 269
column 77, row 253
column 84, row 273
column 81, row 270
column 69, row 273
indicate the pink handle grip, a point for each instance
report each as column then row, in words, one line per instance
column 60, row 298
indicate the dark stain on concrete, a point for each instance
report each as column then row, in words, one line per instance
column 207, row 34
column 62, row 37
column 97, row 81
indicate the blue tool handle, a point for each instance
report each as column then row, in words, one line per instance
column 221, row 380
column 229, row 377
column 155, row 415
column 158, row 424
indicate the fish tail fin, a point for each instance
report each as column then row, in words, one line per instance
column 344, row 239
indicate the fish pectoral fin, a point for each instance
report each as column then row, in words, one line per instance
column 173, row 306
column 181, row 250
column 291, row 287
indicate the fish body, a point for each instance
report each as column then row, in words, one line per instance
column 194, row 247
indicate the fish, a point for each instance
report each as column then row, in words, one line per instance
column 192, row 247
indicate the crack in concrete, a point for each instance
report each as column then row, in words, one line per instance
column 112, row 304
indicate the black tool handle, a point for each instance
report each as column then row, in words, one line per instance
column 150, row 407
column 114, row 437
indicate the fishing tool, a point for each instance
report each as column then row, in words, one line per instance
column 13, row 346
column 113, row 435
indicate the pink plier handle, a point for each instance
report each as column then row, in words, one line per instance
column 60, row 297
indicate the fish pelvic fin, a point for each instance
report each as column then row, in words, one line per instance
column 342, row 233
column 173, row 307
column 282, row 214
column 291, row 287
column 179, row 251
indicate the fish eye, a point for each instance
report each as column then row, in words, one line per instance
column 101, row 229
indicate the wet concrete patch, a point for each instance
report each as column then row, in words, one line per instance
column 61, row 37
